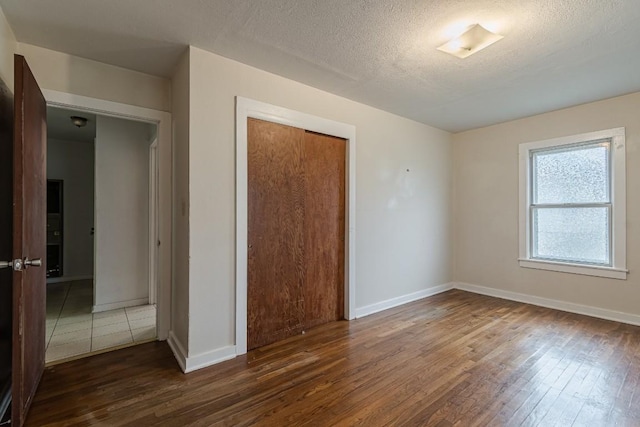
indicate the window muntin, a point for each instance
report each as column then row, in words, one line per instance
column 571, row 209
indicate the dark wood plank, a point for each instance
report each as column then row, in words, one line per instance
column 324, row 220
column 29, row 238
column 275, row 264
column 451, row 359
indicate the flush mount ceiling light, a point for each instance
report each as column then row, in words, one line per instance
column 471, row 41
column 79, row 121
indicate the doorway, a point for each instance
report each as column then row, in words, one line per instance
column 100, row 209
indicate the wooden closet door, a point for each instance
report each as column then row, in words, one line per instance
column 276, row 196
column 324, row 222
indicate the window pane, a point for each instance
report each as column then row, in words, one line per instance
column 576, row 175
column 571, row 234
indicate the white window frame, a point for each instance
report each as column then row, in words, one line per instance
column 618, row 220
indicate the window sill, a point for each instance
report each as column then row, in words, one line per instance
column 588, row 270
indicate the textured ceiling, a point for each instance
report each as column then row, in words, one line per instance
column 556, row 53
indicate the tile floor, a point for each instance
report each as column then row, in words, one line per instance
column 73, row 330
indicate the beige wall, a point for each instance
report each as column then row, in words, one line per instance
column 7, row 48
column 402, row 218
column 71, row 74
column 180, row 258
column 486, row 206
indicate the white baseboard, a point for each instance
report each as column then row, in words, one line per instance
column 120, row 304
column 404, row 299
column 209, row 358
column 617, row 316
column 68, row 279
column 199, row 361
column 178, row 351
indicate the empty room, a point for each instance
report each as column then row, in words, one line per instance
column 376, row 213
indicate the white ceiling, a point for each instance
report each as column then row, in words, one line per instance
column 556, row 53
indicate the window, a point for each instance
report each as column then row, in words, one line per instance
column 572, row 204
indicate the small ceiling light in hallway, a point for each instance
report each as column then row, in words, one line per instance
column 79, row 121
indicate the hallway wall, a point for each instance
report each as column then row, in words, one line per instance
column 122, row 213
column 72, row 162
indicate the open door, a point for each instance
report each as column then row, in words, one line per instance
column 29, row 240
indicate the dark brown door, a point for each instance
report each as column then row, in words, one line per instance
column 29, row 241
column 295, row 231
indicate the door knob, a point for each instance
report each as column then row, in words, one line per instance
column 15, row 265
column 6, row 264
column 19, row 265
column 36, row 262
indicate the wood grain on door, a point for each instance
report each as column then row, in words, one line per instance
column 296, row 236
column 324, row 177
column 29, row 238
column 276, row 230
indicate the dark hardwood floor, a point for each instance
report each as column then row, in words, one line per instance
column 453, row 359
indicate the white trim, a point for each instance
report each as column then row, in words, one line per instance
column 618, row 270
column 103, row 107
column 564, row 267
column 575, row 139
column 209, row 358
column 401, row 300
column 120, row 304
column 246, row 108
column 178, row 350
column 68, row 279
column 601, row 313
column 163, row 121
column 153, row 223
column 619, row 198
column 95, row 218
column 199, row 361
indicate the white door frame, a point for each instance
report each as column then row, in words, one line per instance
column 164, row 142
column 153, row 223
column 246, row 108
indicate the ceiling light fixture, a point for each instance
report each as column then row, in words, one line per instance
column 471, row 41
column 79, row 121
